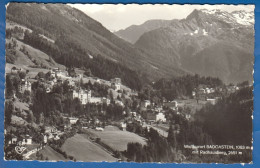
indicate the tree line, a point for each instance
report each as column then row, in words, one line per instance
column 184, row 85
column 71, row 54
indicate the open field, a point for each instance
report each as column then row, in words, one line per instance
column 49, row 153
column 18, row 120
column 192, row 104
column 83, row 149
column 32, row 71
column 24, row 62
column 116, row 138
column 35, row 54
column 21, row 105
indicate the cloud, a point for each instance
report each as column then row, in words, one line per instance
column 116, row 17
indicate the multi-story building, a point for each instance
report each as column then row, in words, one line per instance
column 26, row 140
column 146, row 103
column 83, row 95
column 24, row 85
column 73, row 120
column 106, row 100
column 116, row 84
column 97, row 100
column 212, row 101
column 59, row 73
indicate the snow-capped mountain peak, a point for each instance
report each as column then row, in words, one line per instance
column 244, row 18
column 210, row 11
column 236, row 17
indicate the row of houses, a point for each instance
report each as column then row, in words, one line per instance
column 156, row 117
column 21, row 140
column 85, row 97
column 204, row 91
column 51, row 133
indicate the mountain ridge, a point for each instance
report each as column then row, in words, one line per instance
column 61, row 23
column 181, row 41
column 166, row 51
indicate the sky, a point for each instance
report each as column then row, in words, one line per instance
column 116, row 17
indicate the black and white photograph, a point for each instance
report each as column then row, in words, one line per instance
column 151, row 83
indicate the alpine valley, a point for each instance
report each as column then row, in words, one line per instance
column 166, row 91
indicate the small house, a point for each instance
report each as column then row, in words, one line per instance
column 211, row 101
column 123, row 126
column 13, row 140
column 146, row 103
column 73, row 120
column 26, row 140
column 172, row 105
column 45, row 138
column 160, row 117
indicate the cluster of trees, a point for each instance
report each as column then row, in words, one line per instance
column 47, row 107
column 178, row 87
column 12, row 84
column 9, row 109
column 9, row 149
column 14, row 32
column 183, row 85
column 57, row 144
column 229, row 121
column 157, row 149
column 98, row 90
column 181, row 132
column 11, row 154
column 59, row 100
column 11, row 51
column 136, row 128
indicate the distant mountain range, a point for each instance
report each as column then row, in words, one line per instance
column 132, row 33
column 212, row 43
column 208, row 42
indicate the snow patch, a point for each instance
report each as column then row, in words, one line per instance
column 244, row 18
column 209, row 11
column 44, row 8
column 205, row 33
column 154, row 67
column 236, row 17
column 90, row 56
column 48, row 39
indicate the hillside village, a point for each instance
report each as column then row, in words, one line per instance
column 148, row 114
column 64, row 102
